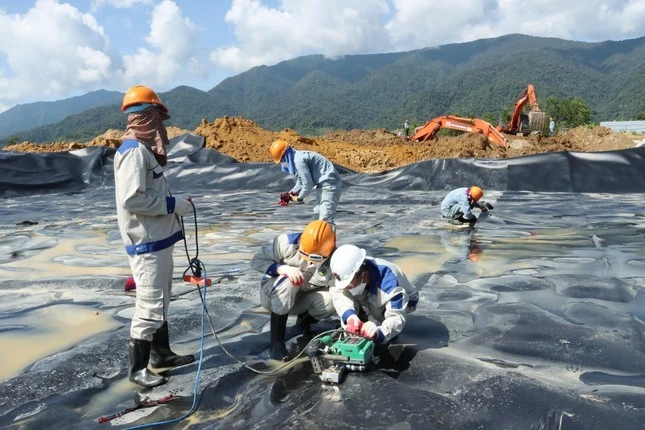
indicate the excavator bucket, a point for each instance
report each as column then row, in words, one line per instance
column 537, row 121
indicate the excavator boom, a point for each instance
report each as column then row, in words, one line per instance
column 470, row 125
column 536, row 118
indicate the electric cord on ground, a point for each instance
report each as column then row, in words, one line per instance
column 191, row 263
column 197, row 267
column 193, row 407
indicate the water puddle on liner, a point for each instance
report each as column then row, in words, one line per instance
column 33, row 335
column 49, row 263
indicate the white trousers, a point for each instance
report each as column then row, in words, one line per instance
column 280, row 296
column 152, row 273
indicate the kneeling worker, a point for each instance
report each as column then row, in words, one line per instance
column 458, row 204
column 296, row 280
column 375, row 285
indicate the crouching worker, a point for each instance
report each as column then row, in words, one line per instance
column 375, row 286
column 458, row 204
column 311, row 170
column 148, row 216
column 296, row 280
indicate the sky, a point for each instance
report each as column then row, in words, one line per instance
column 56, row 49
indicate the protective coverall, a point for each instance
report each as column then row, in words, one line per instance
column 312, row 170
column 149, row 229
column 456, row 203
column 387, row 299
column 278, row 294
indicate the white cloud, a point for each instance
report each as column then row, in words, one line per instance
column 50, row 48
column 173, row 39
column 331, row 27
column 267, row 35
column 422, row 23
column 54, row 50
column 119, row 4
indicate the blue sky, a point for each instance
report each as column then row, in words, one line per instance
column 55, row 49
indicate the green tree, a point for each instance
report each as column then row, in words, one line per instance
column 490, row 117
column 574, row 112
column 640, row 116
column 551, row 106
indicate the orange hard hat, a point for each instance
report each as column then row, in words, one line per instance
column 278, row 149
column 317, row 241
column 140, row 94
column 475, row 193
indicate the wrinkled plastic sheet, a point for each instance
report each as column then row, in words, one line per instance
column 544, row 330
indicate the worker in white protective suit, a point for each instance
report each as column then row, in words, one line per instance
column 296, row 280
column 148, row 216
column 458, row 204
column 312, row 170
column 375, row 286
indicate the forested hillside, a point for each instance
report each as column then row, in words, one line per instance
column 314, row 94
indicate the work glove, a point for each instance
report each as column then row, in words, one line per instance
column 488, row 206
column 294, row 197
column 292, row 273
column 183, row 205
column 353, row 324
column 285, row 198
column 369, row 330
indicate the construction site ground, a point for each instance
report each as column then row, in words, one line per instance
column 367, row 151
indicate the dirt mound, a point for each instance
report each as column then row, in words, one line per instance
column 109, row 138
column 367, row 151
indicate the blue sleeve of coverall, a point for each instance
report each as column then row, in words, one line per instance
column 304, row 176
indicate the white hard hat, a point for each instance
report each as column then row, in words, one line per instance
column 345, row 262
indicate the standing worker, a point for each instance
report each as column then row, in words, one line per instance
column 148, row 216
column 458, row 204
column 312, row 170
column 551, row 127
column 296, row 280
column 406, row 126
column 375, row 285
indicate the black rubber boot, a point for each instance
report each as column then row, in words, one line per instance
column 161, row 355
column 304, row 323
column 278, row 328
column 139, row 372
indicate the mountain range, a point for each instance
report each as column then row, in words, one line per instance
column 314, row 94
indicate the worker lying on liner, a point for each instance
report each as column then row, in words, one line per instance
column 458, row 204
column 374, row 285
column 312, row 170
column 296, row 280
column 148, row 216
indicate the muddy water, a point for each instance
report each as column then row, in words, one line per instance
column 29, row 336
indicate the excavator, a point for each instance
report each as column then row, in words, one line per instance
column 522, row 123
column 472, row 125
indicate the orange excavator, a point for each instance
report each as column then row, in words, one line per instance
column 471, row 125
column 522, row 123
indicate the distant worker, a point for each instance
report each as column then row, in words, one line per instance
column 406, row 125
column 374, row 285
column 296, row 280
column 458, row 204
column 551, row 127
column 148, row 216
column 312, row 170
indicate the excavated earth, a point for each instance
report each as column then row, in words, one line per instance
column 366, row 151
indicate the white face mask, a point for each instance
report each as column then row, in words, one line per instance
column 358, row 290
